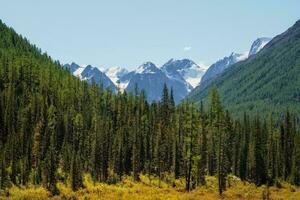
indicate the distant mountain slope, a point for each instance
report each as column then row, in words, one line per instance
column 221, row 65
column 91, row 74
column 217, row 68
column 115, row 74
column 181, row 75
column 258, row 45
column 269, row 81
column 151, row 79
column 72, row 67
column 185, row 70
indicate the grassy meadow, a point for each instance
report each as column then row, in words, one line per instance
column 127, row 189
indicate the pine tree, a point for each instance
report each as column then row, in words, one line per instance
column 36, row 152
column 217, row 118
column 203, row 147
column 259, row 163
column 51, row 158
column 77, row 152
column 243, row 165
column 295, row 172
column 4, row 181
column 76, row 177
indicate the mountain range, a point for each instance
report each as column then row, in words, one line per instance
column 182, row 76
column 179, row 75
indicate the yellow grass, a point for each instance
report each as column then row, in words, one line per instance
column 155, row 190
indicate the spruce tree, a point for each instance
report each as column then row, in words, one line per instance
column 51, row 158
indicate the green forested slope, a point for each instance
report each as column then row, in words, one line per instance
column 266, row 83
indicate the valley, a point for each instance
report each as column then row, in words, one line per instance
column 176, row 130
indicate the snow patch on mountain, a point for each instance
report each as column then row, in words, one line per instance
column 91, row 74
column 193, row 74
column 123, row 85
column 185, row 70
column 151, row 79
column 146, row 68
column 217, row 68
column 258, row 44
column 221, row 65
column 242, row 56
column 115, row 73
column 78, row 72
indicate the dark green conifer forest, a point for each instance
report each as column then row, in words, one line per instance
column 54, row 127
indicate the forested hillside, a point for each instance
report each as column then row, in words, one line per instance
column 268, row 82
column 55, row 128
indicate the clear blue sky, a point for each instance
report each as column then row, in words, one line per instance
column 127, row 33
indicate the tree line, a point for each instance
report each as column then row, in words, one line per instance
column 55, row 127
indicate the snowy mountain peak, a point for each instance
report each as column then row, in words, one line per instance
column 242, row 56
column 185, row 70
column 147, row 68
column 116, row 73
column 88, row 67
column 179, row 64
column 90, row 74
column 78, row 72
column 236, row 57
column 151, row 79
column 116, row 70
column 89, row 71
column 258, row 44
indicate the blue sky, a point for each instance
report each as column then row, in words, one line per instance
column 128, row 33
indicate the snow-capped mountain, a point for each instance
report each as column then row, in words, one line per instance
column 180, row 75
column 147, row 68
column 151, row 79
column 258, row 45
column 185, row 70
column 91, row 74
column 116, row 74
column 217, row 68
